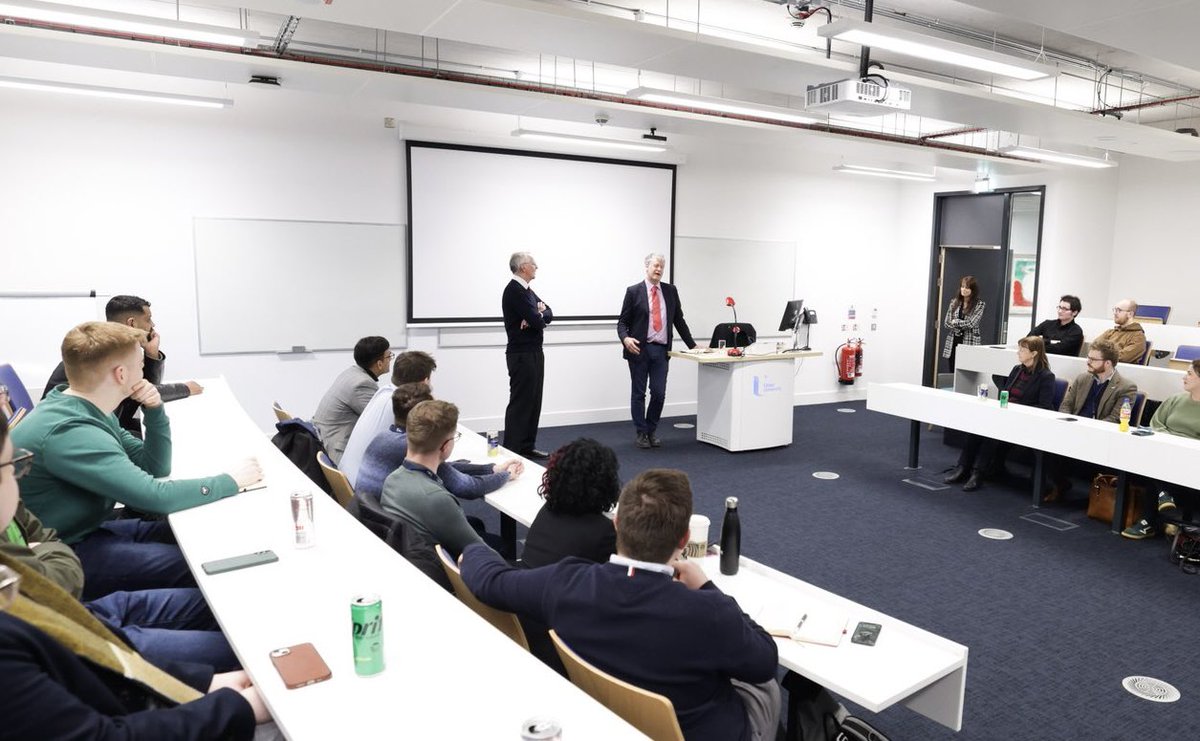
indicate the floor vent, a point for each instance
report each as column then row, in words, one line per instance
column 1149, row 688
column 1047, row 521
column 928, row 484
column 996, row 533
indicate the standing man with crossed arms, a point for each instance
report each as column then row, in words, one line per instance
column 649, row 315
column 525, row 320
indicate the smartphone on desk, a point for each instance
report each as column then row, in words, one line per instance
column 300, row 666
column 245, row 561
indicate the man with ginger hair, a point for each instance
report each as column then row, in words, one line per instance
column 84, row 462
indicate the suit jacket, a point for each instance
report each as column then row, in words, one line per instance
column 520, row 303
column 635, row 316
column 1039, row 393
column 1109, row 406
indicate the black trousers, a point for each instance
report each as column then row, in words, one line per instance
column 526, row 371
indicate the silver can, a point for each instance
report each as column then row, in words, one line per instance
column 302, row 518
column 983, row 391
column 541, row 729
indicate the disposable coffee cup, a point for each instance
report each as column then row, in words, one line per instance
column 698, row 541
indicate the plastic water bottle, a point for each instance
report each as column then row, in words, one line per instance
column 1126, row 413
column 731, row 538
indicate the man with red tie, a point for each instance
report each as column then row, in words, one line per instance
column 649, row 315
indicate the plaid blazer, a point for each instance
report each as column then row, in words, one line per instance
column 965, row 329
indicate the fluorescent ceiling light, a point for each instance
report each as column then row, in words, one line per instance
column 1063, row 158
column 883, row 172
column 96, row 91
column 141, row 25
column 593, row 141
column 720, row 105
column 913, row 44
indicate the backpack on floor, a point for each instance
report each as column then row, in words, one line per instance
column 856, row 729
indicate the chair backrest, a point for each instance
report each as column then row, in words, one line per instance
column 650, row 713
column 1145, row 359
column 1184, row 355
column 17, row 417
column 1152, row 314
column 505, row 622
column 280, row 414
column 400, row 537
column 1139, row 403
column 18, row 395
column 342, row 491
column 1060, row 390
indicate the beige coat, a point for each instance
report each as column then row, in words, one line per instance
column 1130, row 340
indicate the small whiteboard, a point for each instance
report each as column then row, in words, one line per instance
column 294, row 286
column 759, row 276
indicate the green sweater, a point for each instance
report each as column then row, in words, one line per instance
column 1178, row 415
column 422, row 501
column 83, row 462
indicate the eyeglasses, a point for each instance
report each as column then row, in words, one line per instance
column 1064, row 308
column 1119, row 310
column 22, row 461
column 1090, row 359
column 10, row 587
column 457, row 436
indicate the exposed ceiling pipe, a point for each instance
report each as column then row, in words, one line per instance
column 1140, row 106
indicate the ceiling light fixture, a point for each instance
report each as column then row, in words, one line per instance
column 141, row 25
column 593, row 141
column 720, row 105
column 913, row 44
column 1062, row 158
column 96, row 91
column 883, row 172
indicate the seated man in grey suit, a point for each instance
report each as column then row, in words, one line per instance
column 1096, row 394
column 350, row 393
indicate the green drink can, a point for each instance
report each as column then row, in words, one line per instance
column 366, row 615
column 1003, row 399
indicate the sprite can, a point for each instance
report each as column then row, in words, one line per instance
column 1003, row 399
column 366, row 614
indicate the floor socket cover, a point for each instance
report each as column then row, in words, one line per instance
column 996, row 533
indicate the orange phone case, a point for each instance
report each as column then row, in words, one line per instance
column 300, row 666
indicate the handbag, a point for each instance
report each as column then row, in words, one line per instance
column 1103, row 496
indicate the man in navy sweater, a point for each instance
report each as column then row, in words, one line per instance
column 525, row 320
column 649, row 618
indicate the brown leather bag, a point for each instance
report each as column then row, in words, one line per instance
column 1103, row 497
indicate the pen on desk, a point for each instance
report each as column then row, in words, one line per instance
column 800, row 624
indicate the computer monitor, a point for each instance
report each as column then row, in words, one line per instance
column 793, row 316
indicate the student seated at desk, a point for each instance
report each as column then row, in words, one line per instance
column 350, row 393
column 580, row 485
column 1030, row 383
column 386, row 452
column 83, row 463
column 416, row 494
column 68, row 676
column 1178, row 415
column 1062, row 335
column 649, row 618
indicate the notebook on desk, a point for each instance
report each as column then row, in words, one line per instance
column 815, row 623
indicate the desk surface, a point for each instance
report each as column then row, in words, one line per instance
column 438, row 653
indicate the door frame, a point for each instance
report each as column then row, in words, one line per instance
column 933, row 308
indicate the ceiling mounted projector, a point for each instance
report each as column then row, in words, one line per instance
column 857, row 98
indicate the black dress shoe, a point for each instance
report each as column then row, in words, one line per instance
column 973, row 482
column 643, row 441
column 957, row 474
column 654, row 441
column 536, row 455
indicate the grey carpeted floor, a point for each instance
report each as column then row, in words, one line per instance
column 1054, row 619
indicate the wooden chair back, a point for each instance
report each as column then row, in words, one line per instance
column 505, row 622
column 342, row 490
column 280, row 414
column 650, row 713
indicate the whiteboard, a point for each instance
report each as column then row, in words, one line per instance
column 588, row 222
column 760, row 276
column 283, row 286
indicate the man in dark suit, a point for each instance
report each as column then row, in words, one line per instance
column 650, row 314
column 525, row 320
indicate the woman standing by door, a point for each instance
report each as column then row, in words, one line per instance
column 963, row 317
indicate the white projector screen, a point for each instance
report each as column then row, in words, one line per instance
column 588, row 222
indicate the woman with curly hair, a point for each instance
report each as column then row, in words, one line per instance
column 580, row 485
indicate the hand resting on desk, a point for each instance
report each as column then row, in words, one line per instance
column 246, row 473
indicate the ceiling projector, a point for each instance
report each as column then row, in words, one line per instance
column 857, row 98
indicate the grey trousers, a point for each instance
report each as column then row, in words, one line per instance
column 762, row 703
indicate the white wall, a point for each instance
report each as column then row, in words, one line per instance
column 97, row 194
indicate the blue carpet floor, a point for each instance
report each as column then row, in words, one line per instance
column 1053, row 619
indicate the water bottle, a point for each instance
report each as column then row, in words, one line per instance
column 1126, row 413
column 731, row 538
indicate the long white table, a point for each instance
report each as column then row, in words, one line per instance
column 744, row 403
column 449, row 674
column 912, row 666
column 1163, row 457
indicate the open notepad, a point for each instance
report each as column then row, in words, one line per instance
column 815, row 623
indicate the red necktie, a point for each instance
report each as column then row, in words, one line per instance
column 655, row 310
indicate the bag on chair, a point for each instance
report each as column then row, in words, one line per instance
column 1103, row 497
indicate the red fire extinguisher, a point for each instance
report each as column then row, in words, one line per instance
column 858, row 360
column 846, row 357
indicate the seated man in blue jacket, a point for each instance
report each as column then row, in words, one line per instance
column 649, row 618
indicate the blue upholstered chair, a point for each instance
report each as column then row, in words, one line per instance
column 1060, row 390
column 1152, row 314
column 1184, row 355
column 18, row 395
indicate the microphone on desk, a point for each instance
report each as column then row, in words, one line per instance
column 734, row 351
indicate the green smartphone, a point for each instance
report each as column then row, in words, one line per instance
column 866, row 633
column 220, row 566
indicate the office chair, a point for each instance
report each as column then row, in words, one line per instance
column 650, row 713
column 505, row 622
column 1060, row 390
column 280, row 414
column 18, row 395
column 342, row 491
column 1145, row 359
